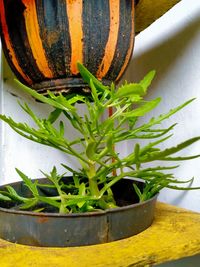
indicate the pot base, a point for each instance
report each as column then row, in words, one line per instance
column 65, row 85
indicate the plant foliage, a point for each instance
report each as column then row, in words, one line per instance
column 90, row 187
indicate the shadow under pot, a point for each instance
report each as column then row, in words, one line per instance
column 44, row 40
column 51, row 229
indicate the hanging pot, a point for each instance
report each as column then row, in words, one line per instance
column 77, row 229
column 43, row 41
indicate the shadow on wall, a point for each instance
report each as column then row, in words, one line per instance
column 164, row 54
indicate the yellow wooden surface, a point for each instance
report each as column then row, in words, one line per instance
column 174, row 234
column 147, row 11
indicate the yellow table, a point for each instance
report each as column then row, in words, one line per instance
column 174, row 234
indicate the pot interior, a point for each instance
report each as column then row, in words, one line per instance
column 123, row 191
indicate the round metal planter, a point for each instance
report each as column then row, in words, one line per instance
column 58, row 230
column 44, row 40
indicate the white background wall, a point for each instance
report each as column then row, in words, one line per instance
column 171, row 46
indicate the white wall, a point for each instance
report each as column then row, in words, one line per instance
column 171, row 46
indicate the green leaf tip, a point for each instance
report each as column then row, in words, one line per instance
column 87, row 75
column 147, row 80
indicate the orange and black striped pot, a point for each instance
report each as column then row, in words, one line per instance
column 44, row 39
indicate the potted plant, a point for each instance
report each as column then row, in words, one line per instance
column 97, row 203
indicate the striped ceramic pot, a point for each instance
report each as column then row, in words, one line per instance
column 44, row 39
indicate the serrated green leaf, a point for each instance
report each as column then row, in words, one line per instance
column 31, row 185
column 138, row 192
column 62, row 128
column 38, row 210
column 15, row 195
column 72, row 171
column 27, row 109
column 129, row 90
column 162, row 117
column 182, row 188
column 94, row 92
column 153, row 133
column 147, row 148
column 49, row 201
column 136, row 155
column 87, row 76
column 81, row 204
column 54, row 115
column 169, row 151
column 28, row 204
column 5, row 198
column 44, row 99
column 142, row 110
column 180, row 158
column 53, row 173
column 82, row 192
column 109, row 142
column 147, row 80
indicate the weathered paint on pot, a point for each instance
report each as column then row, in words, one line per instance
column 58, row 230
column 44, row 40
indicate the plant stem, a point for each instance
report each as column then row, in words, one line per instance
column 93, row 185
column 94, row 188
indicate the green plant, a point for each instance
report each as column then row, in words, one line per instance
column 89, row 188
